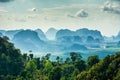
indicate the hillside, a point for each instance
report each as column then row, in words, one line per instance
column 60, row 40
column 28, row 67
column 27, row 40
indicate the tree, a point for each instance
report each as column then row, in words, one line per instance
column 5, row 38
column 57, row 62
column 48, row 67
column 10, row 56
column 92, row 60
column 67, row 61
column 75, row 56
column 67, row 70
column 38, row 63
column 31, row 56
column 25, row 57
column 55, row 74
column 30, row 66
column 80, row 65
column 47, row 56
column 106, row 69
column 58, row 59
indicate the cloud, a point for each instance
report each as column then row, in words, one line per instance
column 112, row 7
column 69, row 15
column 2, row 10
column 5, row 0
column 81, row 13
column 32, row 9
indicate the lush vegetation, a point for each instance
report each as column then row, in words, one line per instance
column 17, row 66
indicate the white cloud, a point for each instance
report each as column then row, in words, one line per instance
column 32, row 9
column 2, row 10
column 112, row 7
column 81, row 13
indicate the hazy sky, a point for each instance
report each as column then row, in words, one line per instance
column 103, row 15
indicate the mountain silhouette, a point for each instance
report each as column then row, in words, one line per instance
column 41, row 34
column 28, row 40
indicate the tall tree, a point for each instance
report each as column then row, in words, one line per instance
column 75, row 56
column 11, row 60
column 55, row 74
column 92, row 60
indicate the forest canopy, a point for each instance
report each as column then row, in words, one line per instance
column 17, row 66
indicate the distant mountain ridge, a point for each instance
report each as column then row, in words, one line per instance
column 84, row 35
column 60, row 40
column 80, row 32
column 41, row 34
column 28, row 39
column 86, row 32
column 10, row 33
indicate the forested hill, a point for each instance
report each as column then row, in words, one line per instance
column 17, row 66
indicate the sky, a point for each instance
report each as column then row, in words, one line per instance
column 102, row 15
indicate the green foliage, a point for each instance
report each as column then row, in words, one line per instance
column 67, row 70
column 80, row 65
column 117, row 77
column 30, row 66
column 48, row 67
column 58, row 59
column 55, row 73
column 47, row 56
column 31, row 56
column 67, row 61
column 92, row 60
column 106, row 69
column 75, row 56
column 11, row 60
column 15, row 66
